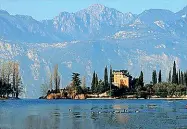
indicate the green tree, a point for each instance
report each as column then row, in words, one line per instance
column 174, row 76
column 135, row 83
column 111, row 79
column 141, row 80
column 164, row 89
column 96, row 84
column 93, row 83
column 182, row 78
column 101, row 86
column 154, row 77
column 76, row 83
column 149, row 88
column 160, row 76
column 185, row 78
column 179, row 78
column 106, row 79
column 180, row 90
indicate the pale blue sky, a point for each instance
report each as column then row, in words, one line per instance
column 47, row 9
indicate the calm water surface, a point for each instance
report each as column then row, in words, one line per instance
column 93, row 114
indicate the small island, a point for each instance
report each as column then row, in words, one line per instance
column 118, row 85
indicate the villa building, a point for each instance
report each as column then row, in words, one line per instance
column 121, row 78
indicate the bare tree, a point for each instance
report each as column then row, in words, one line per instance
column 51, row 82
column 3, row 73
column 83, row 82
column 44, row 89
column 16, row 81
column 56, row 78
column 8, row 71
column 58, row 82
column 10, row 79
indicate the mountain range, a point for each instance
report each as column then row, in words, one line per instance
column 91, row 38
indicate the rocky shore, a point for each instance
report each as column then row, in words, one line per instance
column 59, row 96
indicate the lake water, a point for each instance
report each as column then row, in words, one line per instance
column 93, row 114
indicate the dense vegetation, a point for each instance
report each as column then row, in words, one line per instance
column 10, row 80
column 175, row 86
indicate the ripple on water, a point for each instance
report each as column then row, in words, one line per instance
column 31, row 114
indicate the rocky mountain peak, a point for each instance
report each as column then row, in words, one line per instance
column 96, row 7
column 182, row 13
column 3, row 12
column 185, row 9
column 152, row 15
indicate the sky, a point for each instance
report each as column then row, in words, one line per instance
column 48, row 9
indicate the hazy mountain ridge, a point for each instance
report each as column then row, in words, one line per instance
column 93, row 22
column 92, row 38
column 97, row 21
column 37, row 60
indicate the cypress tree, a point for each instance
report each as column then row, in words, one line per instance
column 93, row 83
column 154, row 77
column 96, row 84
column 111, row 79
column 174, row 76
column 182, row 78
column 179, row 79
column 106, row 79
column 111, row 76
column 185, row 78
column 141, row 80
column 160, row 76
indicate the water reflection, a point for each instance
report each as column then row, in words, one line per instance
column 93, row 114
column 55, row 118
column 49, row 120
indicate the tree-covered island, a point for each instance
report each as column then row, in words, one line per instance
column 118, row 84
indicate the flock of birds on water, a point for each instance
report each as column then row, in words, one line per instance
column 152, row 106
column 123, row 111
column 118, row 111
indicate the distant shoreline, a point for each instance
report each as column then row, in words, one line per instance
column 178, row 98
column 9, row 98
column 100, row 98
column 137, row 98
column 169, row 98
column 108, row 99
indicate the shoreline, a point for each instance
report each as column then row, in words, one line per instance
column 101, row 98
column 168, row 98
column 9, row 98
column 107, row 98
column 178, row 98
